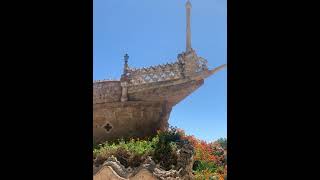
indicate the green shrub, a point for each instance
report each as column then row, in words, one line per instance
column 205, row 170
column 223, row 143
column 128, row 153
column 203, row 165
column 165, row 152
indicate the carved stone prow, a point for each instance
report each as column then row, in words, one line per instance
column 206, row 74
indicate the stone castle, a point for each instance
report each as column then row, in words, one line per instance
column 140, row 102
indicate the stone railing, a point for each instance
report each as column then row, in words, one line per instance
column 187, row 64
column 158, row 73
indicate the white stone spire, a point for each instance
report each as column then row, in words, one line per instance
column 188, row 34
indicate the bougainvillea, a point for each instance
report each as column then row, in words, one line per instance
column 210, row 158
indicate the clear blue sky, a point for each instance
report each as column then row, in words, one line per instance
column 153, row 32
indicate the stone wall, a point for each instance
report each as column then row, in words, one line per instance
column 106, row 91
column 128, row 119
column 140, row 103
column 172, row 92
column 147, row 111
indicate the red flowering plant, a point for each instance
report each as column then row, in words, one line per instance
column 219, row 153
column 210, row 158
column 204, row 152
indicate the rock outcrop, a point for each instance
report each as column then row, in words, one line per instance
column 112, row 169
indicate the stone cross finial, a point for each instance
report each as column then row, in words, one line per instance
column 126, row 57
column 188, row 38
column 125, row 69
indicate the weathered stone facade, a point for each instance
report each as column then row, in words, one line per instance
column 127, row 119
column 140, row 103
column 145, row 105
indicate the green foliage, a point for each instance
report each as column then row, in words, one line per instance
column 129, row 153
column 165, row 149
column 172, row 135
column 210, row 158
column 209, row 171
column 162, row 148
column 223, row 143
column 203, row 165
column 218, row 153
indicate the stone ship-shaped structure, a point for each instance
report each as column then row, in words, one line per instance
column 139, row 104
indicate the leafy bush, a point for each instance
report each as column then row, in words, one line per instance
column 165, row 149
column 203, row 165
column 131, row 153
column 162, row 148
column 209, row 170
column 223, row 143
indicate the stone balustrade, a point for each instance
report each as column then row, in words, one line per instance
column 187, row 64
column 155, row 74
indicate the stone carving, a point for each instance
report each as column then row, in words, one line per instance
column 186, row 64
column 113, row 169
column 140, row 102
column 154, row 74
column 108, row 127
column 185, row 160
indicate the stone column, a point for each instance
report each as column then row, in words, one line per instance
column 124, row 94
column 124, row 80
column 188, row 38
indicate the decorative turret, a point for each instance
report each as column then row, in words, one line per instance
column 126, row 67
